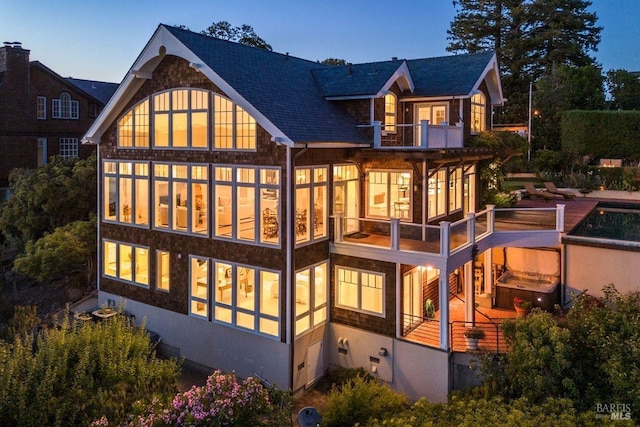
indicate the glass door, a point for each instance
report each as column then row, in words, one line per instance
column 436, row 114
column 412, row 300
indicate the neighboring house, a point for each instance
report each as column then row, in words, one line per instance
column 41, row 113
column 274, row 216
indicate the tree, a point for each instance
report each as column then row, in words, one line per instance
column 528, row 37
column 624, row 88
column 78, row 373
column 334, row 62
column 243, row 34
column 53, row 195
column 561, row 89
column 69, row 251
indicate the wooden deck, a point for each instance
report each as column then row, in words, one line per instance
column 487, row 319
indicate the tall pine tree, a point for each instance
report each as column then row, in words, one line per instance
column 529, row 36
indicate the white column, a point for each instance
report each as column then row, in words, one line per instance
column 338, row 227
column 443, row 301
column 395, row 233
column 469, row 295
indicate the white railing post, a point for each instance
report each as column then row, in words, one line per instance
column 491, row 218
column 424, row 133
column 446, row 135
column 338, row 227
column 443, row 300
column 560, row 218
column 445, row 242
column 471, row 227
column 395, row 233
column 377, row 133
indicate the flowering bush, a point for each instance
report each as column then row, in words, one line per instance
column 519, row 302
column 221, row 402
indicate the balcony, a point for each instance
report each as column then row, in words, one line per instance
column 421, row 135
column 447, row 245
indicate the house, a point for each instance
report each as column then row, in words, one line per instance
column 41, row 113
column 277, row 217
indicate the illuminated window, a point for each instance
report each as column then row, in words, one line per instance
column 478, row 113
column 455, row 190
column 437, row 194
column 390, row 113
column 247, row 298
column 64, row 107
column 311, row 203
column 127, row 263
column 311, row 297
column 163, row 276
column 360, row 290
column 242, row 195
column 389, row 194
column 181, row 197
column 126, row 192
column 234, row 128
column 199, row 288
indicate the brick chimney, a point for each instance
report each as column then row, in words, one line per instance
column 14, row 64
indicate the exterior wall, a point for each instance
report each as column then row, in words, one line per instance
column 301, row 363
column 592, row 268
column 19, row 126
column 219, row 347
column 412, row 369
column 381, row 325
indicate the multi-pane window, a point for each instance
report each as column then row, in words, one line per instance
column 390, row 113
column 133, row 127
column 389, row 194
column 241, row 296
column 360, row 290
column 311, row 297
column 181, row 197
column 126, row 192
column 181, row 119
column 68, row 148
column 469, row 190
column 478, row 113
column 311, row 203
column 242, row 195
column 437, row 194
column 41, row 107
column 65, row 107
column 234, row 128
column 163, row 276
column 125, row 262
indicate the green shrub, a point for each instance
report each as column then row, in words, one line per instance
column 359, row 400
column 75, row 374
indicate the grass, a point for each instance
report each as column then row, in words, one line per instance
column 518, row 183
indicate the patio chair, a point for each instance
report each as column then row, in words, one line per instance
column 551, row 188
column 534, row 192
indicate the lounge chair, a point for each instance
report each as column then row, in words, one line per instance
column 533, row 192
column 551, row 188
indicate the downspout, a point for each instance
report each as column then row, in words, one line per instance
column 98, row 221
column 291, row 208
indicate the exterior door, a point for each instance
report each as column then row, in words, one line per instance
column 412, row 299
column 314, row 362
column 435, row 113
column 346, row 203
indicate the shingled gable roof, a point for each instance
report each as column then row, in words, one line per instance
column 280, row 86
column 102, row 91
column 362, row 80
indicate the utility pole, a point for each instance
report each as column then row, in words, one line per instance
column 529, row 127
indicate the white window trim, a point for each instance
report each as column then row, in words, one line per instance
column 41, row 108
column 117, row 277
column 389, row 183
column 61, row 111
column 359, row 309
column 133, row 178
column 198, row 299
column 157, row 272
column 68, row 148
column 312, row 185
column 313, row 325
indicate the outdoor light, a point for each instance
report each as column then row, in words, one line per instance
column 382, row 351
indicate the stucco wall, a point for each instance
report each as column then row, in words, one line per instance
column 594, row 267
column 219, row 347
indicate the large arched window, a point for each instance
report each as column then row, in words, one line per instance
column 187, row 119
column 390, row 113
column 65, row 107
column 478, row 113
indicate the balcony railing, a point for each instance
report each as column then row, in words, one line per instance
column 541, row 225
column 416, row 135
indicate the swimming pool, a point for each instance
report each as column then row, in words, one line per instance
column 611, row 222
